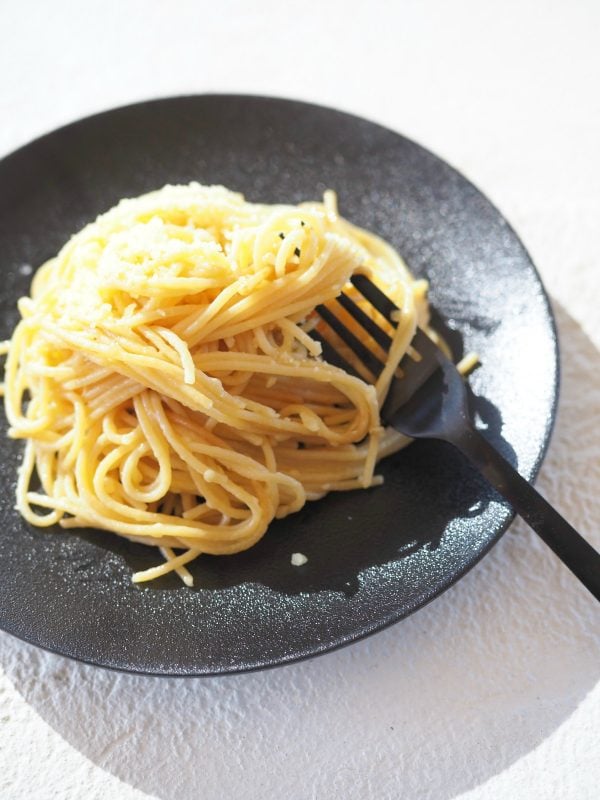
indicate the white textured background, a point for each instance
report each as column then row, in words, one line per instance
column 492, row 690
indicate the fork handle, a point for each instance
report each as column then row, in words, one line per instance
column 572, row 549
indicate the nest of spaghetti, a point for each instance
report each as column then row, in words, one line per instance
column 165, row 382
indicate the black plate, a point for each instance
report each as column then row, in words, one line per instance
column 374, row 556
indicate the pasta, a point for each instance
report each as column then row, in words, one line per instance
column 165, row 381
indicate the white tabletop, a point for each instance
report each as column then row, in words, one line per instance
column 492, row 690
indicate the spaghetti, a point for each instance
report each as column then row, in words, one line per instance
column 165, row 382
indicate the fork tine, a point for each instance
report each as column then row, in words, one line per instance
column 371, row 362
column 367, row 288
column 425, row 346
column 331, row 355
column 416, row 374
column 379, row 335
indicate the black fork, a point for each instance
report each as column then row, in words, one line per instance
column 430, row 401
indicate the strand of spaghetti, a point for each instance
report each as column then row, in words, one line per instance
column 187, row 363
column 173, row 562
